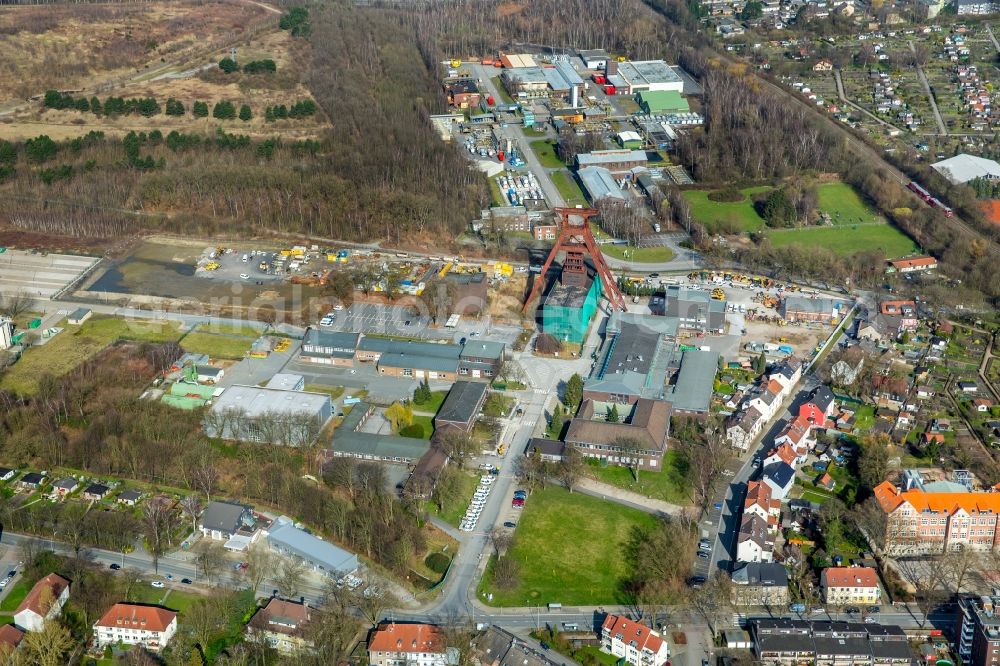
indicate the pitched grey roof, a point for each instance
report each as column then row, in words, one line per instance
column 284, row 536
column 693, row 388
column 223, row 516
column 462, row 403
column 766, row 574
column 963, row 168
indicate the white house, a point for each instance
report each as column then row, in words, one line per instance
column 850, row 585
column 633, row 641
column 130, row 624
column 44, row 601
column 781, row 477
column 395, row 644
column 744, row 427
column 754, row 542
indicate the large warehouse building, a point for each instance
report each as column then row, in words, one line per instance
column 645, row 75
column 271, row 416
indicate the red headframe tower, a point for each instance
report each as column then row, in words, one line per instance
column 576, row 240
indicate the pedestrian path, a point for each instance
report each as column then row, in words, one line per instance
column 627, row 497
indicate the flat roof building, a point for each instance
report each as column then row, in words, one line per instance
column 695, row 309
column 272, row 416
column 285, row 381
column 524, row 79
column 594, row 58
column 599, row 184
column 642, row 75
column 329, row 347
column 635, row 360
column 662, row 101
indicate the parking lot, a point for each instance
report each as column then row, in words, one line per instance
column 383, row 319
column 41, row 275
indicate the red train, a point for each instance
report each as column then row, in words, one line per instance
column 928, row 199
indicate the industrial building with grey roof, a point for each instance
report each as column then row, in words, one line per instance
column 636, row 359
column 692, row 390
column 599, row 184
column 273, row 416
column 285, row 538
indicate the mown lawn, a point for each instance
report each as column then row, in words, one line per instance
column 668, row 484
column 714, row 214
column 843, row 204
column 649, row 255
column 433, row 405
column 546, row 152
column 16, row 595
column 568, row 188
column 454, row 511
column 77, row 344
column 569, row 547
column 847, row 240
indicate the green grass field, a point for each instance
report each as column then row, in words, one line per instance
column 16, row 595
column 843, row 204
column 217, row 345
column 168, row 598
column 713, row 214
column 847, row 240
column 668, row 484
column 433, row 405
column 837, row 199
column 569, row 547
column 546, row 152
column 454, row 511
column 568, row 188
column 426, row 422
column 649, row 255
column 77, row 344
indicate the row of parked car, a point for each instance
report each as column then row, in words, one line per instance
column 478, row 502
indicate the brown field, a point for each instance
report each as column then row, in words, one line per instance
column 79, row 46
column 196, row 80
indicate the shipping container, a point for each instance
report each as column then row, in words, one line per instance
column 599, row 79
column 609, row 89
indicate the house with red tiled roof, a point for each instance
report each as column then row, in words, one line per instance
column 152, row 627
column 923, row 263
column 10, row 636
column 282, row 624
column 633, row 641
column 849, row 585
column 761, row 502
column 920, row 522
column 43, row 602
column 982, row 404
column 781, row 453
column 797, row 437
column 396, row 644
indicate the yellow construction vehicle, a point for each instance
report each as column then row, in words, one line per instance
column 211, row 266
column 718, row 294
